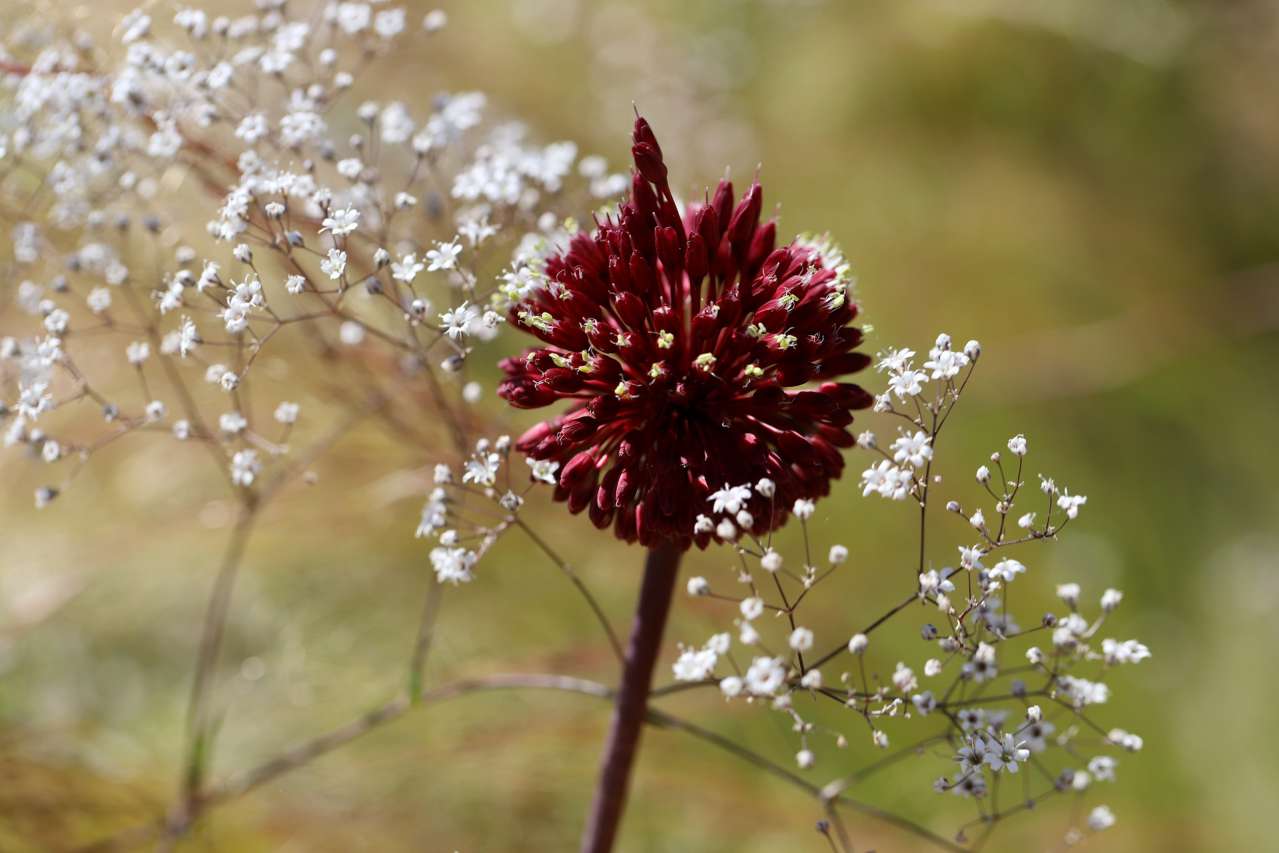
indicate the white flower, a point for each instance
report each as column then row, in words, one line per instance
column 731, row 686
column 1126, row 740
column 729, row 499
column 1017, row 445
column 945, row 364
column 137, row 352
column 481, row 469
column 1069, row 593
column 476, row 229
column 695, row 664
column 1102, row 768
column 1007, row 569
column 804, row 758
column 1071, row 503
column 389, row 23
column 908, row 383
column 931, row 583
column 914, row 449
column 771, row 561
column 970, row 558
column 56, row 321
column 407, row 268
column 341, row 221
column 457, row 320
column 1101, row 818
column 752, row 608
column 543, row 470
column 1082, row 692
column 453, row 565
column 33, row 400
column 904, row 678
column 351, row 333
column 232, row 423
column 1110, row 599
column 698, row 585
column 857, row 644
column 982, row 666
column 245, row 467
column 1006, row 754
column 444, row 256
column 801, row 639
column 838, row 555
column 803, row 509
column 887, row 480
column 1036, row 735
column 765, row 676
column 1128, row 651
column 335, row 264
column 252, row 128
column 287, row 413
column 134, row 26
column 894, row 361
column 972, row 754
column 99, row 300
column 924, row 702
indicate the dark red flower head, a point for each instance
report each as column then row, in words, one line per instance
column 700, row 357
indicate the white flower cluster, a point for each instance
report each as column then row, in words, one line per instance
column 320, row 244
column 978, row 707
column 461, row 543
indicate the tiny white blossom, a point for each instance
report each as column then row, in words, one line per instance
column 801, row 639
column 752, row 608
column 444, row 256
column 286, row 412
column 765, row 676
column 335, row 264
column 1101, row 818
column 245, row 467
column 1007, row 569
column 729, row 499
column 341, row 221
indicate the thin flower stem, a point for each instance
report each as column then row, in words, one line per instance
column 198, row 733
column 425, row 632
column 661, row 568
column 564, row 567
column 871, row 627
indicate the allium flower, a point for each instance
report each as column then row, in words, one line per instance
column 698, row 357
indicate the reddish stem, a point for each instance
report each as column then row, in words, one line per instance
column 660, row 570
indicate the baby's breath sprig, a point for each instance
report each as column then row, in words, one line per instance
column 975, row 712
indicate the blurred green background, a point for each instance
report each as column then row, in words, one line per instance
column 1090, row 188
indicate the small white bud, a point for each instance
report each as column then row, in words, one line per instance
column 857, row 645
